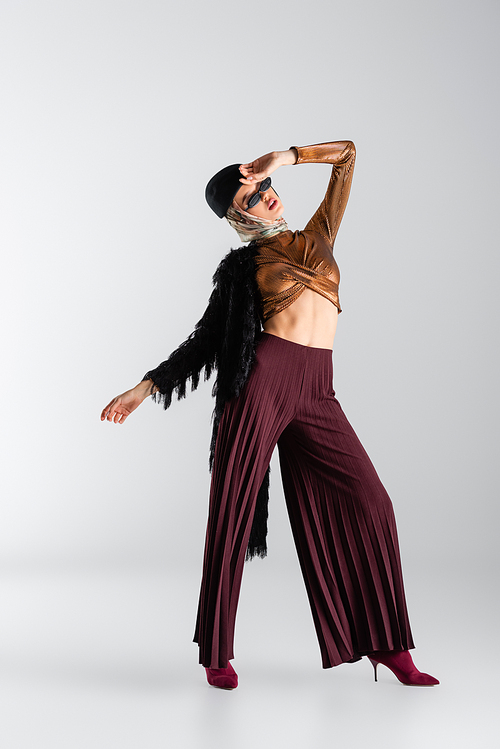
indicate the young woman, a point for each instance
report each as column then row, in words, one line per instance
column 274, row 387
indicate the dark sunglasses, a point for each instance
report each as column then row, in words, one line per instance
column 263, row 187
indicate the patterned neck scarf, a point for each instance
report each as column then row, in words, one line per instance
column 250, row 227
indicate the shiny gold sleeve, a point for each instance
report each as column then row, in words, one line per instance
column 341, row 155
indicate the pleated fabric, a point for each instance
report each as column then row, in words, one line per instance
column 341, row 516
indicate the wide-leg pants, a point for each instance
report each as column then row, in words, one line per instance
column 341, row 516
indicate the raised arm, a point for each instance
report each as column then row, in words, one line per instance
column 341, row 155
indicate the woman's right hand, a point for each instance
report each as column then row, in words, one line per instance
column 122, row 406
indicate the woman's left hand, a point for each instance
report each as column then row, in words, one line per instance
column 263, row 167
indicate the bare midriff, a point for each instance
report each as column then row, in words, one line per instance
column 311, row 321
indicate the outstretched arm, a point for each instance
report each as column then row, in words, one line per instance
column 198, row 351
column 122, row 406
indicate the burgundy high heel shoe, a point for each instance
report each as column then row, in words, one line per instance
column 401, row 664
column 223, row 678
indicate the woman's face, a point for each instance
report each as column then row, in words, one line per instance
column 269, row 205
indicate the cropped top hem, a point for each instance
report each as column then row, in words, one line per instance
column 291, row 301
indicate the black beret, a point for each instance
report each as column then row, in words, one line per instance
column 222, row 188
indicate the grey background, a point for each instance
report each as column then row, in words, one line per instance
column 114, row 116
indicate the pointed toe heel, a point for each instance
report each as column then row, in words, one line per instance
column 222, row 678
column 401, row 664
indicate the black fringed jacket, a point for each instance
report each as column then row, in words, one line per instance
column 224, row 340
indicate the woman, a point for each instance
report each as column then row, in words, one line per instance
column 274, row 387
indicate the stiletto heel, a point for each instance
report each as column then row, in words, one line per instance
column 374, row 664
column 401, row 664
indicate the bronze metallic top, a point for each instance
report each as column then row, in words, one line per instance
column 289, row 262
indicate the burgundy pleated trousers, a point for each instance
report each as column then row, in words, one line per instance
column 341, row 516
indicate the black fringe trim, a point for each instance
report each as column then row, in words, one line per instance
column 257, row 545
column 223, row 340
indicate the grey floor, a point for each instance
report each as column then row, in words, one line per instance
column 101, row 658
